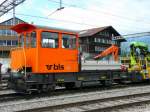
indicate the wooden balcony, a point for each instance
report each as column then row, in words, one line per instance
column 6, row 48
column 8, row 37
column 5, row 27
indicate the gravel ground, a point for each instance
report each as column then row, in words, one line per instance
column 137, row 108
column 69, row 98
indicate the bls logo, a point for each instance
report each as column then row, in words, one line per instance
column 55, row 67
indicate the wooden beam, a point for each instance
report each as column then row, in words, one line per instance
column 5, row 27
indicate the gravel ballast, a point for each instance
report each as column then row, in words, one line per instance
column 69, row 98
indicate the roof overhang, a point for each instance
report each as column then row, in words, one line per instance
column 121, row 40
column 23, row 27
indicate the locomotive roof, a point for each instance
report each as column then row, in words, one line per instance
column 55, row 28
column 25, row 27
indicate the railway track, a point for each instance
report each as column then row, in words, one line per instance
column 103, row 100
column 3, row 88
column 9, row 95
column 98, row 105
column 3, row 85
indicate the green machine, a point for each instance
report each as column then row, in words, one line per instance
column 139, row 67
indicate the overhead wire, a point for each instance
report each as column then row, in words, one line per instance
column 68, row 21
column 108, row 14
column 104, row 12
column 46, row 19
column 42, row 17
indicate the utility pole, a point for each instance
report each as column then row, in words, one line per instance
column 60, row 3
column 60, row 7
column 8, row 5
column 14, row 12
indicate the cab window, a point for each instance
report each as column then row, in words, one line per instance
column 49, row 40
column 27, row 40
column 31, row 40
column 68, row 41
column 21, row 43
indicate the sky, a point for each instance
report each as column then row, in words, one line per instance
column 126, row 16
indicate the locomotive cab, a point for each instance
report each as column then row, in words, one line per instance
column 44, row 50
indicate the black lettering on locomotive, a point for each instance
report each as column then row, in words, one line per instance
column 55, row 67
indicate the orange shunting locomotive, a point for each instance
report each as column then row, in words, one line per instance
column 47, row 57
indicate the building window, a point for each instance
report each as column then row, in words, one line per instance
column 49, row 40
column 9, row 32
column 3, row 32
column 105, row 41
column 95, row 39
column 110, row 42
column 13, row 33
column 8, row 42
column 68, row 41
column 14, row 42
column 2, row 42
column 100, row 40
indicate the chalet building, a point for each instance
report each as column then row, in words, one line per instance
column 95, row 40
column 8, row 38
